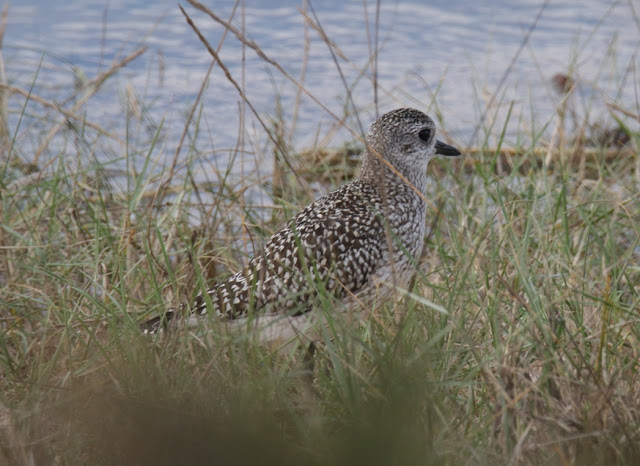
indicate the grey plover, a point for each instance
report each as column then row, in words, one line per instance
column 355, row 244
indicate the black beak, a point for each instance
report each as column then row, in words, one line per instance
column 446, row 149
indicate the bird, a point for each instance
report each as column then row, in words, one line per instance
column 354, row 245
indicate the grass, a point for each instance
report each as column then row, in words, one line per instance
column 518, row 342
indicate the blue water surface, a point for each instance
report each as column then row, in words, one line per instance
column 448, row 58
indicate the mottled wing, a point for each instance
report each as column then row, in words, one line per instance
column 336, row 243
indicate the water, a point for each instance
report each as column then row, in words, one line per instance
column 446, row 57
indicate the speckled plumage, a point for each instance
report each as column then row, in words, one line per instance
column 353, row 242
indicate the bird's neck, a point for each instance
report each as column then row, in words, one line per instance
column 405, row 176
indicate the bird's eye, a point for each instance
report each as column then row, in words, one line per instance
column 424, row 134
